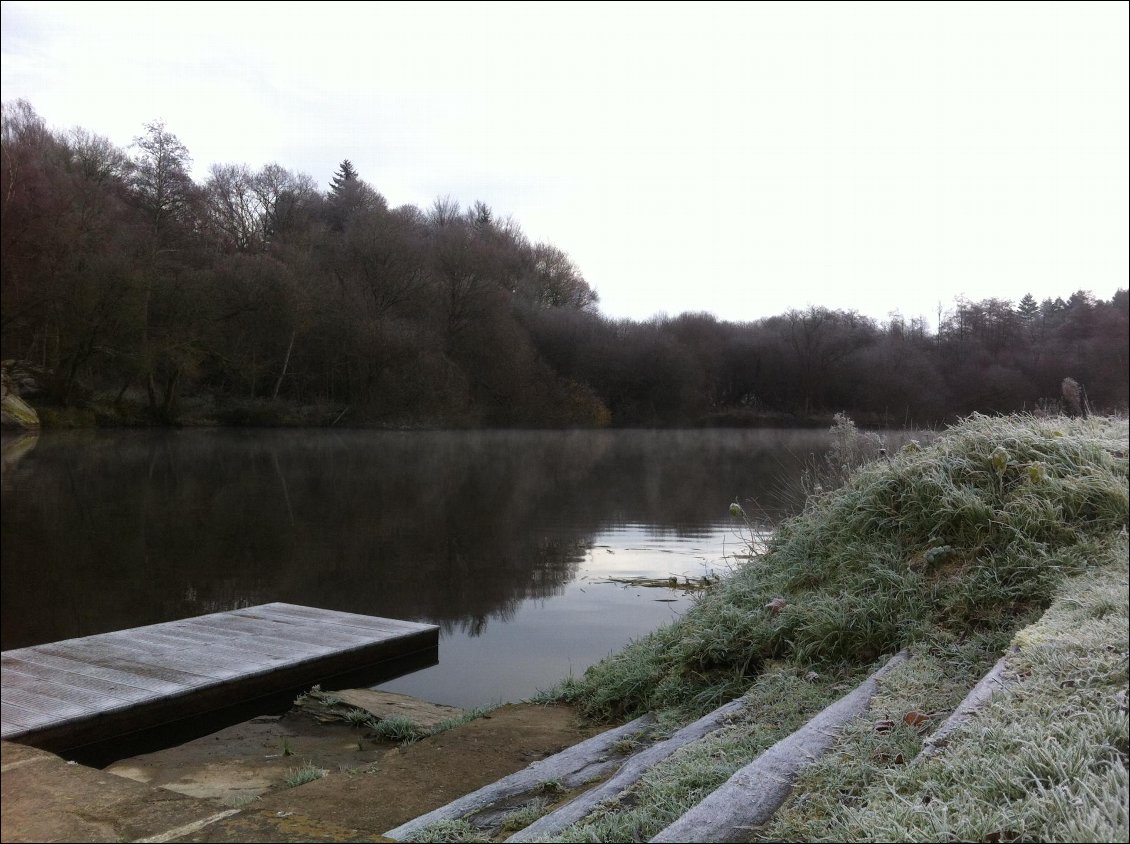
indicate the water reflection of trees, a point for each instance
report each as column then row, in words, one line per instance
column 115, row 530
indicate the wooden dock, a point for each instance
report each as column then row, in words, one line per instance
column 115, row 694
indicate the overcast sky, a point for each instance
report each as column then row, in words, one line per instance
column 738, row 159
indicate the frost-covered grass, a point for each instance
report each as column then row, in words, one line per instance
column 1045, row 760
column 300, row 776
column 394, row 728
column 951, row 550
column 449, row 831
column 969, row 535
column 398, row 728
column 779, row 702
column 523, row 817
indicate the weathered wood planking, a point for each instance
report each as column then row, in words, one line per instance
column 196, row 674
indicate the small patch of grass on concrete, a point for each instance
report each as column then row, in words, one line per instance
column 407, row 730
column 396, row 729
column 304, row 774
column 466, row 718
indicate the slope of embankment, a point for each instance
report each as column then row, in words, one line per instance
column 954, row 551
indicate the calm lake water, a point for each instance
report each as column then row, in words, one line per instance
column 507, row 540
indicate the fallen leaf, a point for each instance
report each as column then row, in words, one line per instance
column 1002, row 835
column 883, row 758
column 914, row 718
column 776, row 605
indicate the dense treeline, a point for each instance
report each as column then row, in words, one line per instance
column 255, row 297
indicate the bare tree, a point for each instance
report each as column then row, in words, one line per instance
column 235, row 210
column 285, row 198
column 554, row 281
column 444, row 211
column 161, row 181
column 167, row 196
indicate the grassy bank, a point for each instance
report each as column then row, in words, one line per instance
column 953, row 550
column 1046, row 760
column 970, row 535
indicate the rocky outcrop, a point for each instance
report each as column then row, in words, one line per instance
column 343, row 705
column 15, row 413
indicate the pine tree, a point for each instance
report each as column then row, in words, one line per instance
column 1028, row 311
column 345, row 174
column 348, row 195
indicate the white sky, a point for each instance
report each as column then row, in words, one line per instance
column 738, row 159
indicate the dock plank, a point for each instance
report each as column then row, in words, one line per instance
column 153, row 640
column 326, row 638
column 163, row 681
column 278, row 646
column 275, row 644
column 209, row 664
column 40, row 703
column 78, row 695
column 121, row 691
column 100, row 653
column 17, row 718
column 337, row 619
column 92, row 692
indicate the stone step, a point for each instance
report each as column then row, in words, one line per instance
column 978, row 696
column 720, row 817
column 46, row 798
column 630, row 773
column 573, row 767
column 754, row 793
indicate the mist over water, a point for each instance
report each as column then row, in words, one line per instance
column 505, row 539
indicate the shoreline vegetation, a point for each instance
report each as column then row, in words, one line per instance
column 27, row 387
column 1004, row 535
column 133, row 294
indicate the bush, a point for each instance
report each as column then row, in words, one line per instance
column 254, row 413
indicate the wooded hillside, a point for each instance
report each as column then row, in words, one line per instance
column 257, row 298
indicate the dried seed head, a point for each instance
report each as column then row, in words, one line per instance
column 999, row 459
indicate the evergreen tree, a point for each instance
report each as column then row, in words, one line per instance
column 349, row 196
column 1028, row 312
column 345, row 174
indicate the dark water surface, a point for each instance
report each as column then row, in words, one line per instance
column 505, row 539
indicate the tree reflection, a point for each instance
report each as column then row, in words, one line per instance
column 105, row 531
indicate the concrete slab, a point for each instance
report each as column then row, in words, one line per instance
column 368, row 788
column 45, row 798
column 392, row 705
